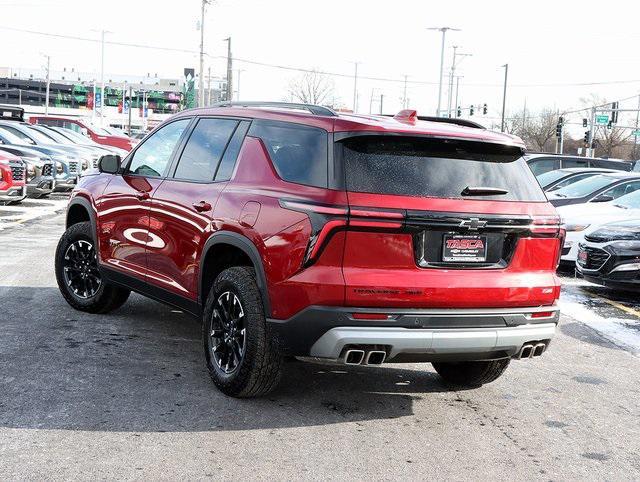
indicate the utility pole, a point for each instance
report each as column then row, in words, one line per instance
column 452, row 74
column 355, row 88
column 201, row 75
column 130, row 108
column 381, row 102
column 209, row 86
column 239, row 71
column 458, row 77
column 504, row 94
column 404, row 95
column 444, row 32
column 592, row 132
column 635, row 136
column 46, row 96
column 229, row 70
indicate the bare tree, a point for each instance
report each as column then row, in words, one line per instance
column 312, row 88
column 537, row 130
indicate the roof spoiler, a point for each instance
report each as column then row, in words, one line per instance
column 410, row 116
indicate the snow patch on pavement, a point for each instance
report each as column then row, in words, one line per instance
column 623, row 332
column 28, row 210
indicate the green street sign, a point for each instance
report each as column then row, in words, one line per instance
column 602, row 120
column 636, row 133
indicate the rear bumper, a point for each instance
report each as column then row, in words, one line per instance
column 416, row 335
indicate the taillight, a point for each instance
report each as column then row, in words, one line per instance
column 327, row 219
column 549, row 227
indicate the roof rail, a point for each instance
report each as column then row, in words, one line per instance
column 314, row 109
column 446, row 120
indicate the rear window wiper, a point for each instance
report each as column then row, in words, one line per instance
column 483, row 191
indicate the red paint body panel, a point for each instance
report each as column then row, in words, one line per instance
column 125, row 143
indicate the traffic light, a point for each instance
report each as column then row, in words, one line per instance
column 584, row 122
column 484, row 109
column 559, row 130
column 586, row 138
column 614, row 113
column 459, row 112
column 610, row 124
column 470, row 110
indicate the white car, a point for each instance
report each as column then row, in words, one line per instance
column 581, row 219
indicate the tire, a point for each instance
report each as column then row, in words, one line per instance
column 101, row 297
column 471, row 374
column 255, row 367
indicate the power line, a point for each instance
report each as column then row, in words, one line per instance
column 399, row 80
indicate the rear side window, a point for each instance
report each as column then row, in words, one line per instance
column 204, row 149
column 299, row 153
column 412, row 166
column 225, row 170
column 540, row 165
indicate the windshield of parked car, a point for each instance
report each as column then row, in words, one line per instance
column 629, row 201
column 418, row 166
column 73, row 135
column 547, row 178
column 52, row 135
column 585, row 187
column 10, row 138
column 27, row 134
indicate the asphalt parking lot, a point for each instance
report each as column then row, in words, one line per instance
column 126, row 396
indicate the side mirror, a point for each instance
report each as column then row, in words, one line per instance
column 109, row 163
column 602, row 198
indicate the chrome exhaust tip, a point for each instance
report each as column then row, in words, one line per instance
column 375, row 357
column 525, row 352
column 539, row 349
column 353, row 357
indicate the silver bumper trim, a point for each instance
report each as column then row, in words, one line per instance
column 461, row 341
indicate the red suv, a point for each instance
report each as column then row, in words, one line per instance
column 292, row 230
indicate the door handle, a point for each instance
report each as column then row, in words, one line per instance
column 142, row 195
column 202, row 206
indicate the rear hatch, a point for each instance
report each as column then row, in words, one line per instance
column 445, row 223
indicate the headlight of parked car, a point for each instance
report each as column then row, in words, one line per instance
column 85, row 164
column 59, row 167
column 576, row 227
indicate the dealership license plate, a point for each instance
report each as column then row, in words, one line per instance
column 457, row 248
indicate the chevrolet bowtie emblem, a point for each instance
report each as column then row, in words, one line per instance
column 472, row 224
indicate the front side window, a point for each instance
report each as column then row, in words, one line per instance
column 418, row 166
column 204, row 149
column 299, row 153
column 622, row 189
column 152, row 158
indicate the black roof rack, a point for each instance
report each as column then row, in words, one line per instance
column 314, row 109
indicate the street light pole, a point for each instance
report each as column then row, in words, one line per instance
column 201, row 76
column 444, row 32
column 504, row 95
column 404, row 95
column 355, row 88
column 229, row 70
column 46, row 97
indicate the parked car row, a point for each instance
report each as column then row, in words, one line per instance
column 600, row 211
column 45, row 158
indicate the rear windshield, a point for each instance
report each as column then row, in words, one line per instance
column 548, row 177
column 585, row 187
column 413, row 166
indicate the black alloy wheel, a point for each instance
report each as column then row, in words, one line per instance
column 227, row 340
column 80, row 267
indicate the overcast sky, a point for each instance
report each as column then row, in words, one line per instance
column 551, row 46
